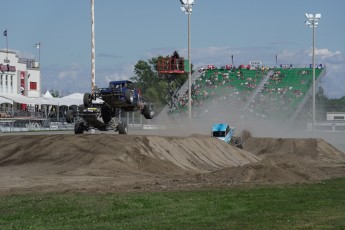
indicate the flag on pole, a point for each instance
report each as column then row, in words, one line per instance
column 37, row 45
column 5, row 34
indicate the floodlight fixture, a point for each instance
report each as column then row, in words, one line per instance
column 309, row 16
column 187, row 6
column 313, row 21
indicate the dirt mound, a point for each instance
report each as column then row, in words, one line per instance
column 105, row 163
column 149, row 153
column 108, row 161
column 287, row 160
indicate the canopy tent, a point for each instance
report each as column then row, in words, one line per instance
column 72, row 99
column 46, row 99
column 4, row 101
column 48, row 95
column 18, row 98
column 76, row 99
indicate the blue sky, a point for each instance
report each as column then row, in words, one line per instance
column 128, row 31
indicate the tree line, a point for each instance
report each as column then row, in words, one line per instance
column 325, row 104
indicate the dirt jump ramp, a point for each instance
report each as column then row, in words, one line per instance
column 151, row 153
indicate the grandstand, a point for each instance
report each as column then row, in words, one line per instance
column 269, row 93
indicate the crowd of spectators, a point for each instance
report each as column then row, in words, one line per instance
column 230, row 84
column 279, row 98
column 283, row 92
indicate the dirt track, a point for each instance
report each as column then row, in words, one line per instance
column 107, row 163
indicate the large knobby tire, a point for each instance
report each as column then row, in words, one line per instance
column 106, row 113
column 69, row 116
column 80, row 108
column 79, row 127
column 148, row 111
column 87, row 100
column 237, row 142
column 122, row 127
column 129, row 97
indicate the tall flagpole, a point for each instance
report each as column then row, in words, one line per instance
column 5, row 34
column 92, row 45
column 39, row 54
column 6, row 45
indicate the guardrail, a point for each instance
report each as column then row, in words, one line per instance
column 35, row 127
column 56, row 126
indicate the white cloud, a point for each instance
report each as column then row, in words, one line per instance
column 67, row 79
column 67, row 75
column 326, row 53
column 70, row 72
column 27, row 55
column 125, row 72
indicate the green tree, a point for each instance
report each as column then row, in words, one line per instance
column 55, row 93
column 335, row 105
column 155, row 87
column 321, row 100
column 326, row 104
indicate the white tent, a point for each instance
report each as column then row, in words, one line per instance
column 18, row 98
column 46, row 99
column 75, row 99
column 48, row 95
column 4, row 100
column 72, row 99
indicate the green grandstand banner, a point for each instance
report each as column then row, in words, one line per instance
column 186, row 66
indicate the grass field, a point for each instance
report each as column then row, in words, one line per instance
column 316, row 206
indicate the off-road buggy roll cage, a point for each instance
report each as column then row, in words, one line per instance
column 103, row 107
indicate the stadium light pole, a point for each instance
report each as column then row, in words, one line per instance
column 313, row 22
column 187, row 8
column 93, row 77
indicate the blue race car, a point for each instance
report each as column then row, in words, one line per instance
column 225, row 133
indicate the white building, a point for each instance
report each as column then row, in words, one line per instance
column 19, row 76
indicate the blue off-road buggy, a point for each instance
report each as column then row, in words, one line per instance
column 102, row 109
column 225, row 133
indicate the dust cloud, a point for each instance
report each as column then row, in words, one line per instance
column 228, row 112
